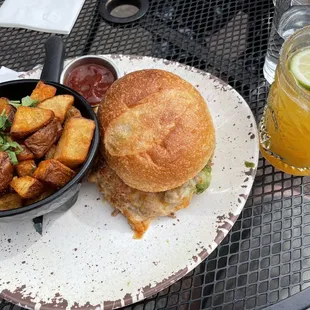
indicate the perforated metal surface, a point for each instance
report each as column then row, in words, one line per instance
column 266, row 256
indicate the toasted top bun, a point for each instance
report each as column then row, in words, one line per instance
column 156, row 129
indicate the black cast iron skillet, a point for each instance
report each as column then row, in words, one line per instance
column 15, row 90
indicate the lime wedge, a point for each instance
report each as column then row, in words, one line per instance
column 300, row 67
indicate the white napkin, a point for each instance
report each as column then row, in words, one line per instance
column 7, row 74
column 54, row 16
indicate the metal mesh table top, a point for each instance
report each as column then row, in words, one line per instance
column 266, row 256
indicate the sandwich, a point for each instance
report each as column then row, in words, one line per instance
column 157, row 143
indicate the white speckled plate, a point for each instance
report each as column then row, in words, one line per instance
column 88, row 259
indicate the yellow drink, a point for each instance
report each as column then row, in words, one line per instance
column 285, row 125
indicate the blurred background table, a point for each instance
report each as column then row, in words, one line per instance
column 266, row 256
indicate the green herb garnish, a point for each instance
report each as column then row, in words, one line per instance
column 13, row 157
column 4, row 122
column 6, row 145
column 12, row 148
column 29, row 102
column 25, row 102
column 249, row 164
column 206, row 180
column 33, row 169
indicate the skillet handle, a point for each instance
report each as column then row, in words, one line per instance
column 54, row 59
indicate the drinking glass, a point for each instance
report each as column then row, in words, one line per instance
column 284, row 129
column 289, row 16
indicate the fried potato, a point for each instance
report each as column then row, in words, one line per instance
column 28, row 120
column 73, row 112
column 73, row 146
column 25, row 154
column 26, row 167
column 51, row 152
column 9, row 110
column 48, row 191
column 6, row 171
column 43, row 92
column 59, row 105
column 10, row 201
column 42, row 140
column 27, row 187
column 53, row 173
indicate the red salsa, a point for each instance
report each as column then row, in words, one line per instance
column 91, row 81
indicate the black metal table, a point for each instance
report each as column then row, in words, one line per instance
column 266, row 256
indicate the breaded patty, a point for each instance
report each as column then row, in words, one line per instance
column 141, row 207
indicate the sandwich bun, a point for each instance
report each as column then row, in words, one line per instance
column 156, row 130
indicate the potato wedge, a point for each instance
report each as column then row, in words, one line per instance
column 59, row 105
column 43, row 92
column 27, row 187
column 51, row 152
column 10, row 201
column 73, row 146
column 43, row 139
column 73, row 112
column 53, row 173
column 6, row 171
column 28, row 120
column 25, row 154
column 9, row 110
column 26, row 167
column 48, row 191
